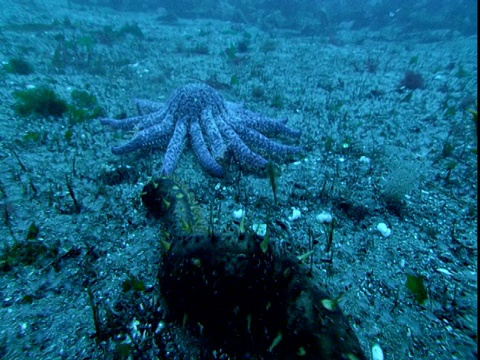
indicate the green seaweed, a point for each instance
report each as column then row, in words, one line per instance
column 44, row 102
column 68, row 134
column 417, row 287
column 474, row 113
column 451, row 111
column 413, row 60
column 32, row 232
column 272, row 176
column 132, row 29
column 474, row 116
column 234, row 80
column 231, row 52
column 86, row 42
column 407, row 97
column 18, row 66
column 33, row 136
column 461, row 72
column 26, row 253
column 41, row 101
column 123, row 351
column 84, row 106
column 447, row 149
column 133, row 283
column 277, row 101
column 109, row 34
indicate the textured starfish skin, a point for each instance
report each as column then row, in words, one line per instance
column 216, row 130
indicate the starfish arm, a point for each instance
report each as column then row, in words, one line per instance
column 145, row 107
column 156, row 118
column 274, row 127
column 245, row 156
column 139, row 122
column 264, row 144
column 175, row 147
column 202, row 152
column 264, row 124
column 212, row 134
column 153, row 137
column 123, row 124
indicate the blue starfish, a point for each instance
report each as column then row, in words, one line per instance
column 215, row 128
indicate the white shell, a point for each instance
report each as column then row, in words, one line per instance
column 384, row 229
column 238, row 214
column 364, row 159
column 377, row 352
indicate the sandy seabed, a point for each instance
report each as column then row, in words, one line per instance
column 375, row 152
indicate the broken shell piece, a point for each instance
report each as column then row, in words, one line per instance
column 260, row 229
column 296, row 213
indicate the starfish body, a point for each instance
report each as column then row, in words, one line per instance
column 216, row 130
